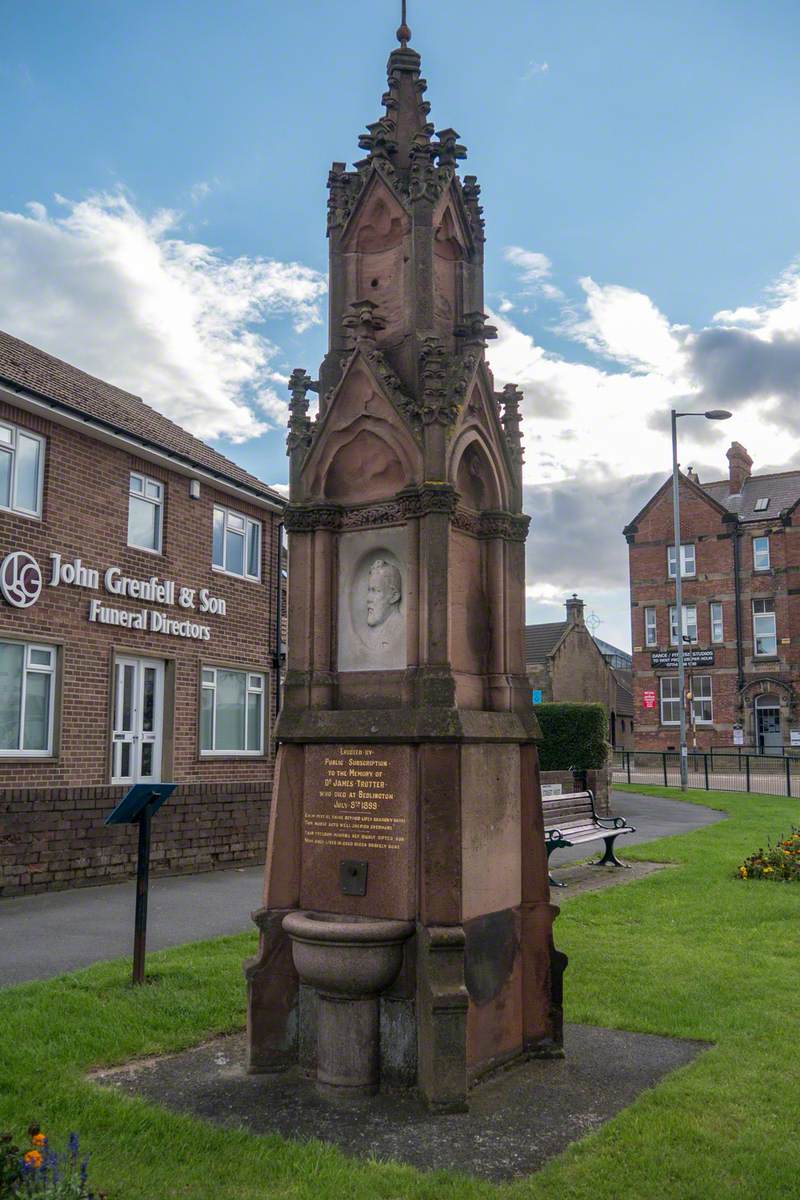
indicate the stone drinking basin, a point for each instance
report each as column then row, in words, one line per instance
column 348, row 961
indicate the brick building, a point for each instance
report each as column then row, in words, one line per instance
column 740, row 557
column 564, row 662
column 138, row 576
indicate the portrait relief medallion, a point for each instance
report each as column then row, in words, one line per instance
column 372, row 601
column 20, row 579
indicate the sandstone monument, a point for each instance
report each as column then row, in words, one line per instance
column 406, row 933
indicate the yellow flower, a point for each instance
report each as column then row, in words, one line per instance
column 34, row 1159
column 743, row 872
column 40, row 1139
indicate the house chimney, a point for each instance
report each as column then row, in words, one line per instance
column 740, row 466
column 575, row 610
column 692, row 474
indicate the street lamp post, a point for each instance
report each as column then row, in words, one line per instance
column 715, row 414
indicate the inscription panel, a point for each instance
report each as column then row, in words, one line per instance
column 358, row 805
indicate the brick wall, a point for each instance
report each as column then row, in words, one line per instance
column 54, row 839
column 61, row 797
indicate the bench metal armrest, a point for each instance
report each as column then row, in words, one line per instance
column 616, row 822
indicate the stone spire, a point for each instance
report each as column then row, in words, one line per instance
column 404, row 33
column 405, row 126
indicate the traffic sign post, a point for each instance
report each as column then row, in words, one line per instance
column 138, row 807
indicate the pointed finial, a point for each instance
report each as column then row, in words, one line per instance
column 404, row 33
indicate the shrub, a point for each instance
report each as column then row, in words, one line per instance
column 574, row 735
column 779, row 862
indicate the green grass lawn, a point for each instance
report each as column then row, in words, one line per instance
column 692, row 952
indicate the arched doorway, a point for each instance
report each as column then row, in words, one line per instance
column 769, row 739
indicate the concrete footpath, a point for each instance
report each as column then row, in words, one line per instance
column 43, row 936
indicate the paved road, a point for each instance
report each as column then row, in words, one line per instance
column 43, row 936
column 46, row 935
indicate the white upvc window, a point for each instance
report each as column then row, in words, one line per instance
column 761, row 554
column 670, row 700
column 717, row 627
column 650, row 628
column 689, row 624
column 232, row 712
column 688, row 561
column 764, row 632
column 702, row 700
column 145, row 512
column 27, row 699
column 236, row 544
column 21, row 470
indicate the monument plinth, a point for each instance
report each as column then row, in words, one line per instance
column 407, row 783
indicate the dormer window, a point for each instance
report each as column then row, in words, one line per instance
column 761, row 504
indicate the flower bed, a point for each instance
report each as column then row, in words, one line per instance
column 781, row 861
column 41, row 1172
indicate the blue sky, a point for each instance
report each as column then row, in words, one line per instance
column 641, row 190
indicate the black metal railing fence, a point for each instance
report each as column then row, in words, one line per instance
column 729, row 770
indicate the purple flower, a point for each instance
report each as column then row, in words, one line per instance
column 73, row 1145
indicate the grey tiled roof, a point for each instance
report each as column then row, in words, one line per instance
column 27, row 367
column 782, row 490
column 541, row 639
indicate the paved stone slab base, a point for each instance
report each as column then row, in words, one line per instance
column 586, row 877
column 517, row 1120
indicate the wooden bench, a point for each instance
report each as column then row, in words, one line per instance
column 572, row 819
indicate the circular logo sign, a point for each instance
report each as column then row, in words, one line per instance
column 20, row 579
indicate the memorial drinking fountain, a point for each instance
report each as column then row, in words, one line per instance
column 406, row 929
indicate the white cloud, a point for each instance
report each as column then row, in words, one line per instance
column 548, row 594
column 626, row 326
column 199, row 190
column 536, row 68
column 532, row 264
column 535, row 269
column 612, row 415
column 124, row 296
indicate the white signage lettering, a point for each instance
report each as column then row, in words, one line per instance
column 21, row 583
column 148, row 619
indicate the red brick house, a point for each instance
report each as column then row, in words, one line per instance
column 138, row 594
column 740, row 557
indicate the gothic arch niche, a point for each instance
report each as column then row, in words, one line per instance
column 364, row 468
column 377, row 243
column 475, row 475
column 364, row 451
column 448, row 253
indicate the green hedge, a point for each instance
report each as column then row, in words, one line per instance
column 573, row 735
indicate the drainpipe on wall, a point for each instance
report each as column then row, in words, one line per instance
column 737, row 591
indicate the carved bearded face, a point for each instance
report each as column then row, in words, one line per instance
column 384, row 591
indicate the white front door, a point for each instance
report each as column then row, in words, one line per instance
column 137, row 720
